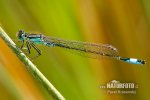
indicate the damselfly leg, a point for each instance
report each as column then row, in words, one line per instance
column 37, row 50
column 30, row 44
column 22, row 45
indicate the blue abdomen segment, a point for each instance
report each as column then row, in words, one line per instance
column 132, row 60
column 49, row 44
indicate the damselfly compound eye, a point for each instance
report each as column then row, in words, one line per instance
column 21, row 34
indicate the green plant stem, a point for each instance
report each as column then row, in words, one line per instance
column 31, row 67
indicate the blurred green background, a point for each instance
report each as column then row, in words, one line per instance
column 122, row 23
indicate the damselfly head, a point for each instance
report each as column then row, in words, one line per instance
column 21, row 35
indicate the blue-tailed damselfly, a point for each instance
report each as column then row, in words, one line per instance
column 83, row 47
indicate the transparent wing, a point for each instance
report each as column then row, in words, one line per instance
column 84, row 48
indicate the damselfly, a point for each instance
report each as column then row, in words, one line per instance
column 83, row 47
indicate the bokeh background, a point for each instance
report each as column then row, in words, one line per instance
column 122, row 23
